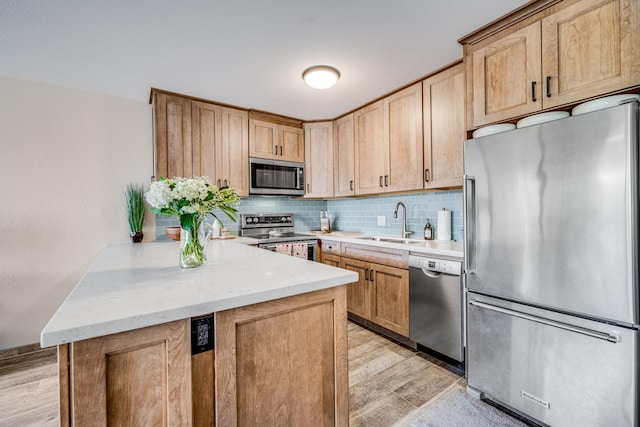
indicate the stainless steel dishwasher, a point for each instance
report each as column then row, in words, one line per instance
column 435, row 305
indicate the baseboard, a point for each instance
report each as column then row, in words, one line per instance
column 23, row 349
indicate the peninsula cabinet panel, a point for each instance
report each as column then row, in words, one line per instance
column 403, row 125
column 284, row 362
column 344, row 157
column 318, row 139
column 371, row 149
column 141, row 377
column 390, row 298
column 590, row 48
column 444, row 128
column 172, row 122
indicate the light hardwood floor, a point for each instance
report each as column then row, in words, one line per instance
column 387, row 382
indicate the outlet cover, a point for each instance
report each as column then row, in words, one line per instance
column 382, row 220
column 201, row 334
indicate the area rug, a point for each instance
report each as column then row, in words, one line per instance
column 457, row 409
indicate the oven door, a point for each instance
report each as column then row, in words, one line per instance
column 274, row 177
column 312, row 248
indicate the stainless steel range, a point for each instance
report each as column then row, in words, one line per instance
column 274, row 229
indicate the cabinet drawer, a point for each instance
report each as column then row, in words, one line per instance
column 330, row 247
column 391, row 257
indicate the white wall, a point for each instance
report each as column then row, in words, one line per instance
column 66, row 157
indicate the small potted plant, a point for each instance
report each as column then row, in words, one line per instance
column 135, row 210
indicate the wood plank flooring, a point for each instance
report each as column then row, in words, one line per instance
column 387, row 382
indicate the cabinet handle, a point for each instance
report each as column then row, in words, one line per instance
column 371, row 273
column 386, row 180
column 281, row 150
column 351, row 185
column 381, row 181
column 308, row 188
column 276, row 149
column 533, row 92
column 218, row 183
column 225, row 183
column 366, row 274
column 548, row 87
column 426, row 175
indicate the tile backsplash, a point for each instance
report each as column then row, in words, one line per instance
column 356, row 214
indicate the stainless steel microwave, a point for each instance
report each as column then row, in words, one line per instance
column 276, row 177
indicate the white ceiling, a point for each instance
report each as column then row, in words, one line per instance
column 248, row 53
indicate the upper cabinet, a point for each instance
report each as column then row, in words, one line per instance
column 551, row 56
column 318, row 150
column 275, row 141
column 389, row 144
column 172, row 136
column 444, row 128
column 343, row 157
column 194, row 138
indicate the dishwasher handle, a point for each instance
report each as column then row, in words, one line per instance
column 432, row 274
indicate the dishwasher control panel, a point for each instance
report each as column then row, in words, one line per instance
column 436, row 265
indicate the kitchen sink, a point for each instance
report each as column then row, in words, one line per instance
column 400, row 240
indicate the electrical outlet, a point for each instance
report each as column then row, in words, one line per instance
column 201, row 334
column 382, row 220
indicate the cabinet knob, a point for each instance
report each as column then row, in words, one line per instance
column 218, row 183
column 225, row 183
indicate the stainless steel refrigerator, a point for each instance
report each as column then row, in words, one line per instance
column 551, row 269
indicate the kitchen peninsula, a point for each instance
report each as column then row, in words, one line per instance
column 278, row 328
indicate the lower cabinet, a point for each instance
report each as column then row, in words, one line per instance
column 381, row 294
column 281, row 362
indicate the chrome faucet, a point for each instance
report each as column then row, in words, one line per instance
column 405, row 232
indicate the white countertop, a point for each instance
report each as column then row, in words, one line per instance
column 131, row 286
column 420, row 247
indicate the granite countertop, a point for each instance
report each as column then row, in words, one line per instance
column 417, row 246
column 131, row 286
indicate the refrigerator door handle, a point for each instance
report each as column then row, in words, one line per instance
column 469, row 222
column 612, row 338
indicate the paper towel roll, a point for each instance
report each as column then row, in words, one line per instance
column 443, row 230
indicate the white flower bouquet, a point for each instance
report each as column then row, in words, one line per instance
column 191, row 199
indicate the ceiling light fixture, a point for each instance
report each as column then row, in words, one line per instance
column 321, row 76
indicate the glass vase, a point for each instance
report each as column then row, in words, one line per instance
column 193, row 243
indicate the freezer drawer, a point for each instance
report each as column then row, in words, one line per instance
column 559, row 370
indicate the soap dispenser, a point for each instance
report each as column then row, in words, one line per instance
column 428, row 231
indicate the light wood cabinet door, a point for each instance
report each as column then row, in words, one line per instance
column 358, row 293
column 390, row 298
column 371, row 149
column 263, row 139
column 332, row 260
column 444, row 128
column 206, row 128
column 590, row 48
column 291, row 144
column 284, row 362
column 277, row 142
column 141, row 377
column 172, row 121
column 234, row 157
column 506, row 77
column 403, row 127
column 318, row 150
column 343, row 157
